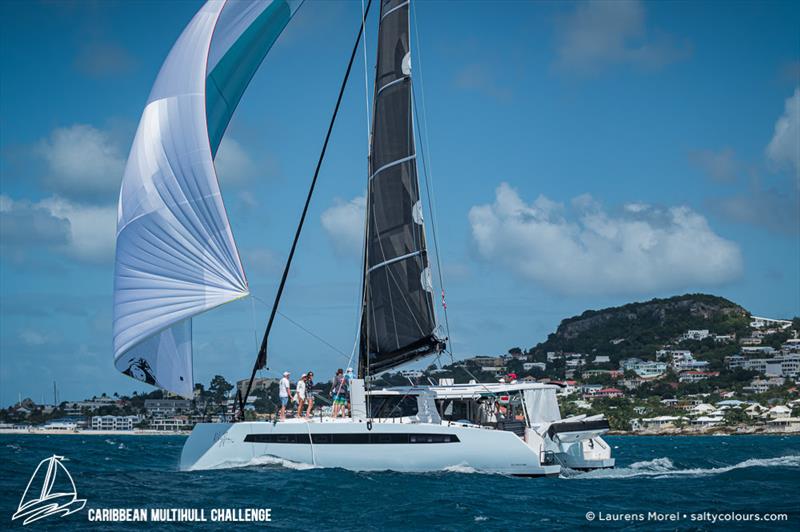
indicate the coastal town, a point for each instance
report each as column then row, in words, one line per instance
column 699, row 382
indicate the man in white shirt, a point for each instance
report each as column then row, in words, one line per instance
column 284, row 393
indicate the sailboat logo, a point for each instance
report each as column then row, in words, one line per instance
column 56, row 496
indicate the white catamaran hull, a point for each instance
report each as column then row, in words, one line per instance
column 413, row 447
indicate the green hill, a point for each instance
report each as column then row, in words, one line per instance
column 639, row 329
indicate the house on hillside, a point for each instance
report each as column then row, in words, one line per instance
column 697, row 376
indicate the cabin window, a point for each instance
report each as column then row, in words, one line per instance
column 387, row 406
column 454, row 409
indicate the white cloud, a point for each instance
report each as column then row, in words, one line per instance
column 23, row 223
column 83, row 162
column 86, row 233
column 92, row 230
column 585, row 250
column 784, row 148
column 344, row 223
column 600, row 33
column 234, row 165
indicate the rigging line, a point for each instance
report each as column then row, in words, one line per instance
column 261, row 358
column 435, row 236
column 290, row 320
column 426, row 162
column 304, row 329
column 253, row 319
column 366, row 73
column 359, row 305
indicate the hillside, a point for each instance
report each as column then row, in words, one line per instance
column 636, row 329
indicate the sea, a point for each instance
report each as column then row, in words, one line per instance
column 660, row 483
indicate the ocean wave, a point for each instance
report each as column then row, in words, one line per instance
column 664, row 468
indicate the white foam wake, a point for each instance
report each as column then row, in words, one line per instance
column 664, row 468
column 460, row 468
column 265, row 461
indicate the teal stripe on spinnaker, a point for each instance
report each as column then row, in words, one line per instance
column 229, row 79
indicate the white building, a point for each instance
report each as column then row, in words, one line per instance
column 696, row 376
column 172, row 423
column 759, row 350
column 527, row 366
column 787, row 365
column 734, row 361
column 415, row 373
column 762, row 385
column 766, row 323
column 667, row 354
column 602, row 359
column 646, row 370
column 779, row 411
column 662, row 421
column 166, row 407
column 114, row 422
column 685, row 361
column 696, row 334
column 61, row 425
column 707, row 421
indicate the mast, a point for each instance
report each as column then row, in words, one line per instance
column 398, row 323
column 261, row 358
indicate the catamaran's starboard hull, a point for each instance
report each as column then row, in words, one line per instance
column 417, row 447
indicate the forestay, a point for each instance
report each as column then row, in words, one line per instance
column 176, row 256
column 398, row 321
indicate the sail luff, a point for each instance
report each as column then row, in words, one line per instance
column 398, row 322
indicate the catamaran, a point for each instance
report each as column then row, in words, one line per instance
column 176, row 257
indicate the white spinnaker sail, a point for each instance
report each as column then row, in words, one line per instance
column 176, row 256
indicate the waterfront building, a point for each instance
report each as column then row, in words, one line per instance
column 167, row 407
column 662, row 421
column 114, row 422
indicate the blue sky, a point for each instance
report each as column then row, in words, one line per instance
column 583, row 155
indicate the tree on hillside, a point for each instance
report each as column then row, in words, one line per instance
column 219, row 388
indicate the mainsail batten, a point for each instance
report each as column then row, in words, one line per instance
column 176, row 255
column 398, row 322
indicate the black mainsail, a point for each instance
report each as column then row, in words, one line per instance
column 397, row 322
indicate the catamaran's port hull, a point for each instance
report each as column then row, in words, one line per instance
column 405, row 447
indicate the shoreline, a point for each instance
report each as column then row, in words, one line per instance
column 712, row 431
column 49, row 432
